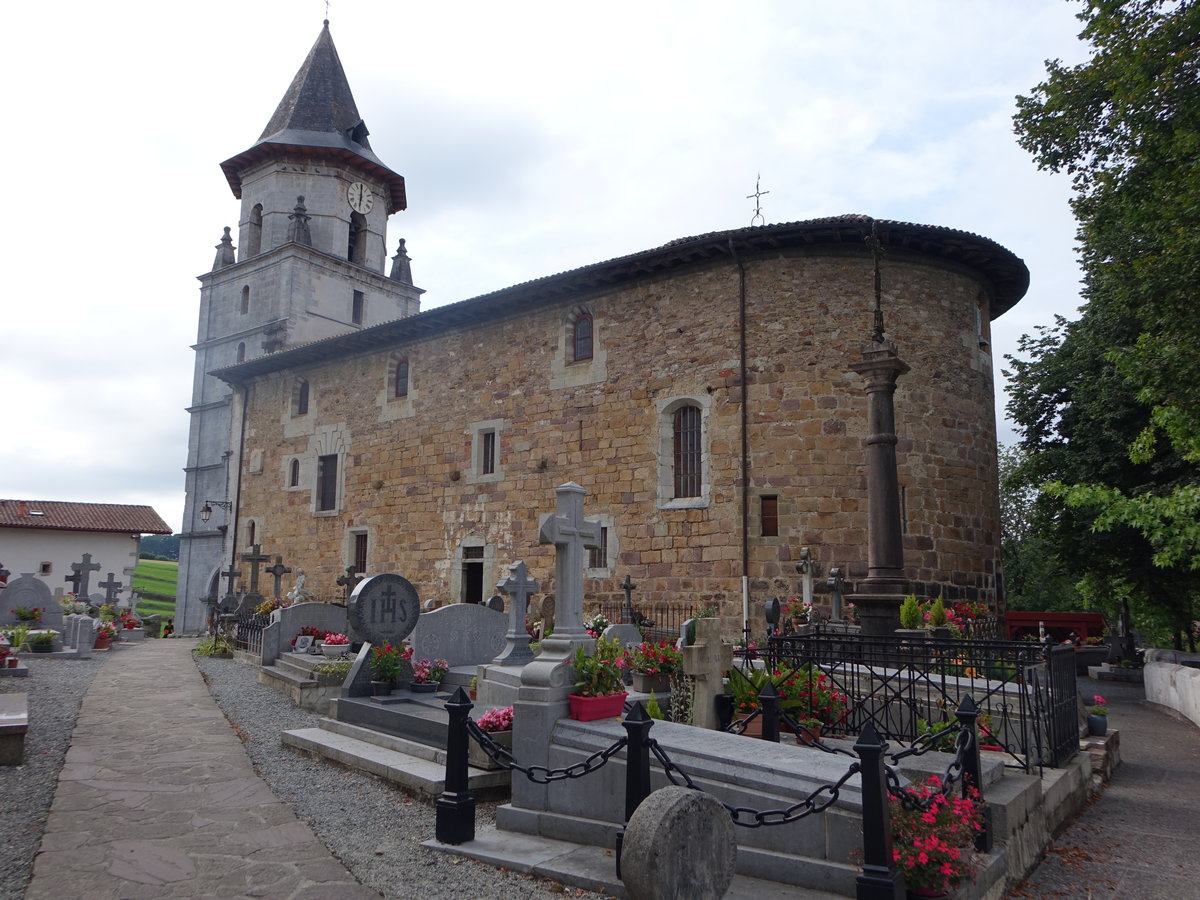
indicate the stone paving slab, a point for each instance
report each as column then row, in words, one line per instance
column 161, row 801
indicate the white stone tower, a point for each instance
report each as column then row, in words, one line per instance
column 309, row 263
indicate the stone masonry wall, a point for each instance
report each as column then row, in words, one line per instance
column 407, row 474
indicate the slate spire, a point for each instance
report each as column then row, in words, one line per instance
column 319, row 99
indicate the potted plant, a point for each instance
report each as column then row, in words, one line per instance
column 599, row 690
column 498, row 725
column 106, row 633
column 932, row 843
column 911, row 617
column 16, row 635
column 1097, row 720
column 31, row 614
column 809, row 693
column 385, row 666
column 427, row 676
column 334, row 645
column 796, row 610
column 595, row 625
column 473, row 688
column 41, row 641
column 653, row 663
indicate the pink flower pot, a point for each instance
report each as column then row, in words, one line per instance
column 588, row 709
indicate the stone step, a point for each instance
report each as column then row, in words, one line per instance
column 414, row 774
column 283, row 678
column 387, row 741
column 289, row 668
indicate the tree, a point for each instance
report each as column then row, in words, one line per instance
column 1110, row 404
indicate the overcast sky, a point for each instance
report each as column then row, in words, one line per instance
column 534, row 138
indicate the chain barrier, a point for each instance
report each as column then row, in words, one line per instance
column 810, row 805
column 813, row 740
column 920, row 747
column 739, row 726
column 540, row 774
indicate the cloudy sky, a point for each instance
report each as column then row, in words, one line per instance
column 534, row 138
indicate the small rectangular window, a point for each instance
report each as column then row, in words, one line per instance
column 46, row 568
column 327, row 472
column 360, row 553
column 770, row 515
column 357, row 308
column 487, row 455
column 598, row 556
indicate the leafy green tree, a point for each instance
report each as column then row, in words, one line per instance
column 1110, row 404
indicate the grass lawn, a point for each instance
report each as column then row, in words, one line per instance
column 154, row 581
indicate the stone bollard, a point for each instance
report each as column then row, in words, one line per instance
column 679, row 845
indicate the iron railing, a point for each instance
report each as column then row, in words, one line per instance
column 657, row 620
column 1023, row 691
column 248, row 632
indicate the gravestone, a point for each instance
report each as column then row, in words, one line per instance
column 349, row 581
column 463, row 634
column 680, row 844
column 707, row 660
column 32, row 593
column 255, row 557
column 277, row 571
column 382, row 609
column 771, row 612
column 81, row 573
column 519, row 586
column 546, row 610
column 495, row 602
column 627, row 608
column 111, row 588
column 626, row 635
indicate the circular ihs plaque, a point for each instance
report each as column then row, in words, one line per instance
column 384, row 609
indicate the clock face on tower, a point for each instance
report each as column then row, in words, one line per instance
column 360, row 197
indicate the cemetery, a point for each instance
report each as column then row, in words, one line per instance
column 459, row 702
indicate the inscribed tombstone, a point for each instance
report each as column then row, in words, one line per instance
column 464, row 634
column 384, row 609
column 29, row 592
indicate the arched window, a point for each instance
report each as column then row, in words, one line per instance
column 402, row 378
column 582, row 337
column 689, row 451
column 245, row 299
column 251, row 532
column 356, row 243
column 253, row 233
column 294, row 473
column 302, row 398
column 241, row 352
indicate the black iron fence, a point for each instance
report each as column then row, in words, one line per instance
column 881, row 876
column 657, row 620
column 247, row 632
column 903, row 688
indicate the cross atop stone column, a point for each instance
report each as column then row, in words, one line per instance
column 627, row 610
column 350, row 580
column 80, row 577
column 254, row 557
column 518, row 586
column 278, row 571
column 571, row 535
column 233, row 575
column 110, row 588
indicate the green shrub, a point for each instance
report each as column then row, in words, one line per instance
column 215, row 645
column 910, row 613
column 937, row 614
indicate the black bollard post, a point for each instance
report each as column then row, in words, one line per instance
column 455, row 817
column 724, row 704
column 880, row 879
column 768, row 698
column 967, row 715
column 637, row 766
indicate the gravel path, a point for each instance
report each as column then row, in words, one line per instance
column 373, row 828
column 55, row 688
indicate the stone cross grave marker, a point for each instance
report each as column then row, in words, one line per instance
column 255, row 557
column 80, row 575
column 707, row 660
column 627, row 610
column 350, row 580
column 518, row 586
column 277, row 571
column 383, row 609
column 232, row 575
column 110, row 589
column 572, row 535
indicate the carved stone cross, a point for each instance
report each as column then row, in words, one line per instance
column 254, row 557
column 278, row 571
column 350, row 580
column 233, row 575
column 572, row 536
column 79, row 579
column 110, row 588
column 518, row 586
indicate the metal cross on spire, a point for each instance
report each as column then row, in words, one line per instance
column 757, row 218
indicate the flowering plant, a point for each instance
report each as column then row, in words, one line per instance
column 129, row 620
column 599, row 675
column 426, row 672
column 595, row 625
column 28, row 614
column 931, row 842
column 1098, row 709
column 269, row 606
column 385, row 662
column 797, row 609
column 71, row 605
column 108, row 613
column 106, row 629
column 336, row 639
column 656, row 658
column 499, row 719
column 811, row 693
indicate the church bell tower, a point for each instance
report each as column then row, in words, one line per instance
column 309, row 263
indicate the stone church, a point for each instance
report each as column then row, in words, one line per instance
column 701, row 392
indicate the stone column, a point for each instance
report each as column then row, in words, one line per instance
column 882, row 591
